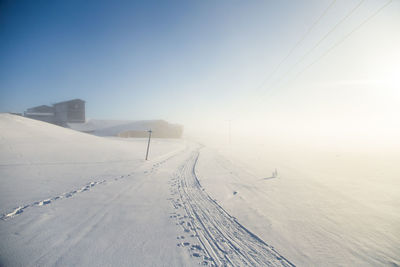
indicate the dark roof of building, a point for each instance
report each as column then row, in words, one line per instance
column 41, row 106
column 72, row 100
column 39, row 114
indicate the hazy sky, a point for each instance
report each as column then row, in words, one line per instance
column 208, row 61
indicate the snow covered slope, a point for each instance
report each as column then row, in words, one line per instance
column 83, row 200
column 72, row 199
column 313, row 222
column 39, row 159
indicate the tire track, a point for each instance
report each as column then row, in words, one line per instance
column 222, row 240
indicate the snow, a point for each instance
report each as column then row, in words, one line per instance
column 74, row 199
column 40, row 160
column 90, row 200
column 320, row 222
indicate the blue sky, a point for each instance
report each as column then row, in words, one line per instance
column 124, row 57
column 185, row 60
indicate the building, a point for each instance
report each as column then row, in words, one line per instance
column 60, row 113
column 160, row 129
column 41, row 113
column 69, row 111
column 71, row 114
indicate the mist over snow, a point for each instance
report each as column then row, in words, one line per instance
column 211, row 133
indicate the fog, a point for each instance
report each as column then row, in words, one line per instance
column 343, row 136
column 296, row 105
column 336, row 150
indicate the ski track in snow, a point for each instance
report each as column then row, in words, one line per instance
column 85, row 188
column 210, row 234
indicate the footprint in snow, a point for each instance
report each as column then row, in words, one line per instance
column 184, row 244
column 44, row 202
column 196, row 247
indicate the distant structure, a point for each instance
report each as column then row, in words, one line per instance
column 129, row 128
column 159, row 128
column 71, row 114
column 69, row 111
column 60, row 113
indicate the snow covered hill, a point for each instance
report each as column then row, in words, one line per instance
column 39, row 159
column 74, row 199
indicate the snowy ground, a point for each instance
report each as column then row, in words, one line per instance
column 72, row 199
column 306, row 220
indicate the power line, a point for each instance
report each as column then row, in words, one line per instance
column 348, row 15
column 336, row 44
column 297, row 44
column 344, row 38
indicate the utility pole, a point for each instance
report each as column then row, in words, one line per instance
column 229, row 133
column 229, row 139
column 148, row 144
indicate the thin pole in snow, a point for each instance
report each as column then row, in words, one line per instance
column 229, row 133
column 148, row 144
column 229, row 138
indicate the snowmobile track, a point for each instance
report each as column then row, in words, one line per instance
column 223, row 240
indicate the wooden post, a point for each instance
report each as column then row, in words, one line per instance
column 148, row 144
